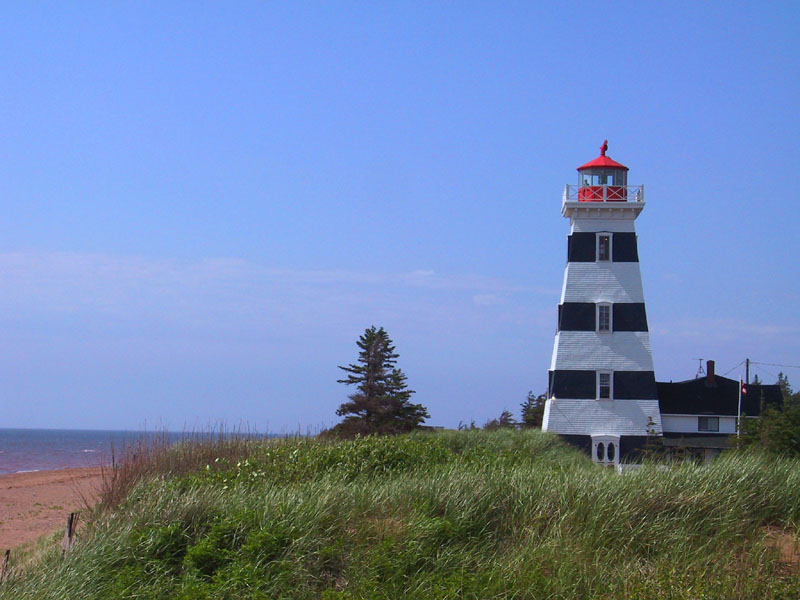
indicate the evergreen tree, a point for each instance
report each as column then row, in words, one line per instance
column 505, row 420
column 380, row 403
column 786, row 387
column 777, row 430
column 533, row 410
column 654, row 444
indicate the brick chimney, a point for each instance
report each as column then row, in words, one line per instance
column 710, row 373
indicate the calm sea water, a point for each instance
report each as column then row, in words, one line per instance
column 49, row 449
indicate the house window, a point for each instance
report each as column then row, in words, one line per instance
column 603, row 317
column 600, row 452
column 610, row 451
column 603, row 246
column 604, row 391
column 707, row 423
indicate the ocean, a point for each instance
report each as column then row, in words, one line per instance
column 50, row 449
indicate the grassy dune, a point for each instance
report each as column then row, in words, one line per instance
column 450, row 515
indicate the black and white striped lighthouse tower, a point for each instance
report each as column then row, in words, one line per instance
column 602, row 388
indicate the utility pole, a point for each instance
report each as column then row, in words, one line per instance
column 747, row 371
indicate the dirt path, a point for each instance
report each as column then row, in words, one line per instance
column 34, row 504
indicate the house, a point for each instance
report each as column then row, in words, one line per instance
column 698, row 416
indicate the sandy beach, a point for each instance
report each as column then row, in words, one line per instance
column 38, row 503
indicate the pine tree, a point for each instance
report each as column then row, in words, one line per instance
column 381, row 403
column 777, row 430
column 654, row 444
column 504, row 421
column 533, row 410
column 786, row 387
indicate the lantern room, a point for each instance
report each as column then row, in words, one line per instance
column 603, row 179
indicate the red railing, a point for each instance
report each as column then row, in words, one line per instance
column 604, row 193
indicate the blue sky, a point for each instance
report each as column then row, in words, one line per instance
column 205, row 204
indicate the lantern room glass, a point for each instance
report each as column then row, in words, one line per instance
column 604, row 177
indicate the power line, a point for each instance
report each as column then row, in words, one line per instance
column 752, row 362
column 769, row 371
column 732, row 368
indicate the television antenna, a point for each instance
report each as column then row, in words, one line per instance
column 700, row 370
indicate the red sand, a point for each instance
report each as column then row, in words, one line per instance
column 35, row 504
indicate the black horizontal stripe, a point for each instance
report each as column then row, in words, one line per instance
column 584, row 442
column 629, row 316
column 576, row 316
column 582, row 385
column 624, row 247
column 582, row 316
column 582, row 247
column 635, row 385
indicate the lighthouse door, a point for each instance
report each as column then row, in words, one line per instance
column 605, row 449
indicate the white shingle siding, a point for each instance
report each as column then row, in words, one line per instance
column 601, row 417
column 624, row 224
column 602, row 282
column 620, row 351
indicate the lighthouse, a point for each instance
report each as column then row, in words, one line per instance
column 602, row 392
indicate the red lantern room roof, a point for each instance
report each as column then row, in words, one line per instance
column 602, row 161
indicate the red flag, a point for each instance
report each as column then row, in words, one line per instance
column 744, row 389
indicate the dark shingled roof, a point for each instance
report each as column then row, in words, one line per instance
column 697, row 397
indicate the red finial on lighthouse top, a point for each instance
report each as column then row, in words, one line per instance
column 603, row 161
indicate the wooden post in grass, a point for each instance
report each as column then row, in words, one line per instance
column 4, row 569
column 69, row 533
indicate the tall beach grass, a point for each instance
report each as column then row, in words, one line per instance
column 450, row 515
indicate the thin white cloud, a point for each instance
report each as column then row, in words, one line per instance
column 223, row 292
column 488, row 299
column 722, row 329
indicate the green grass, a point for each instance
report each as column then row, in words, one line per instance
column 450, row 515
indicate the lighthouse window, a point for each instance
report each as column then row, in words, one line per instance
column 600, row 451
column 604, row 385
column 603, row 317
column 610, row 452
column 604, row 246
